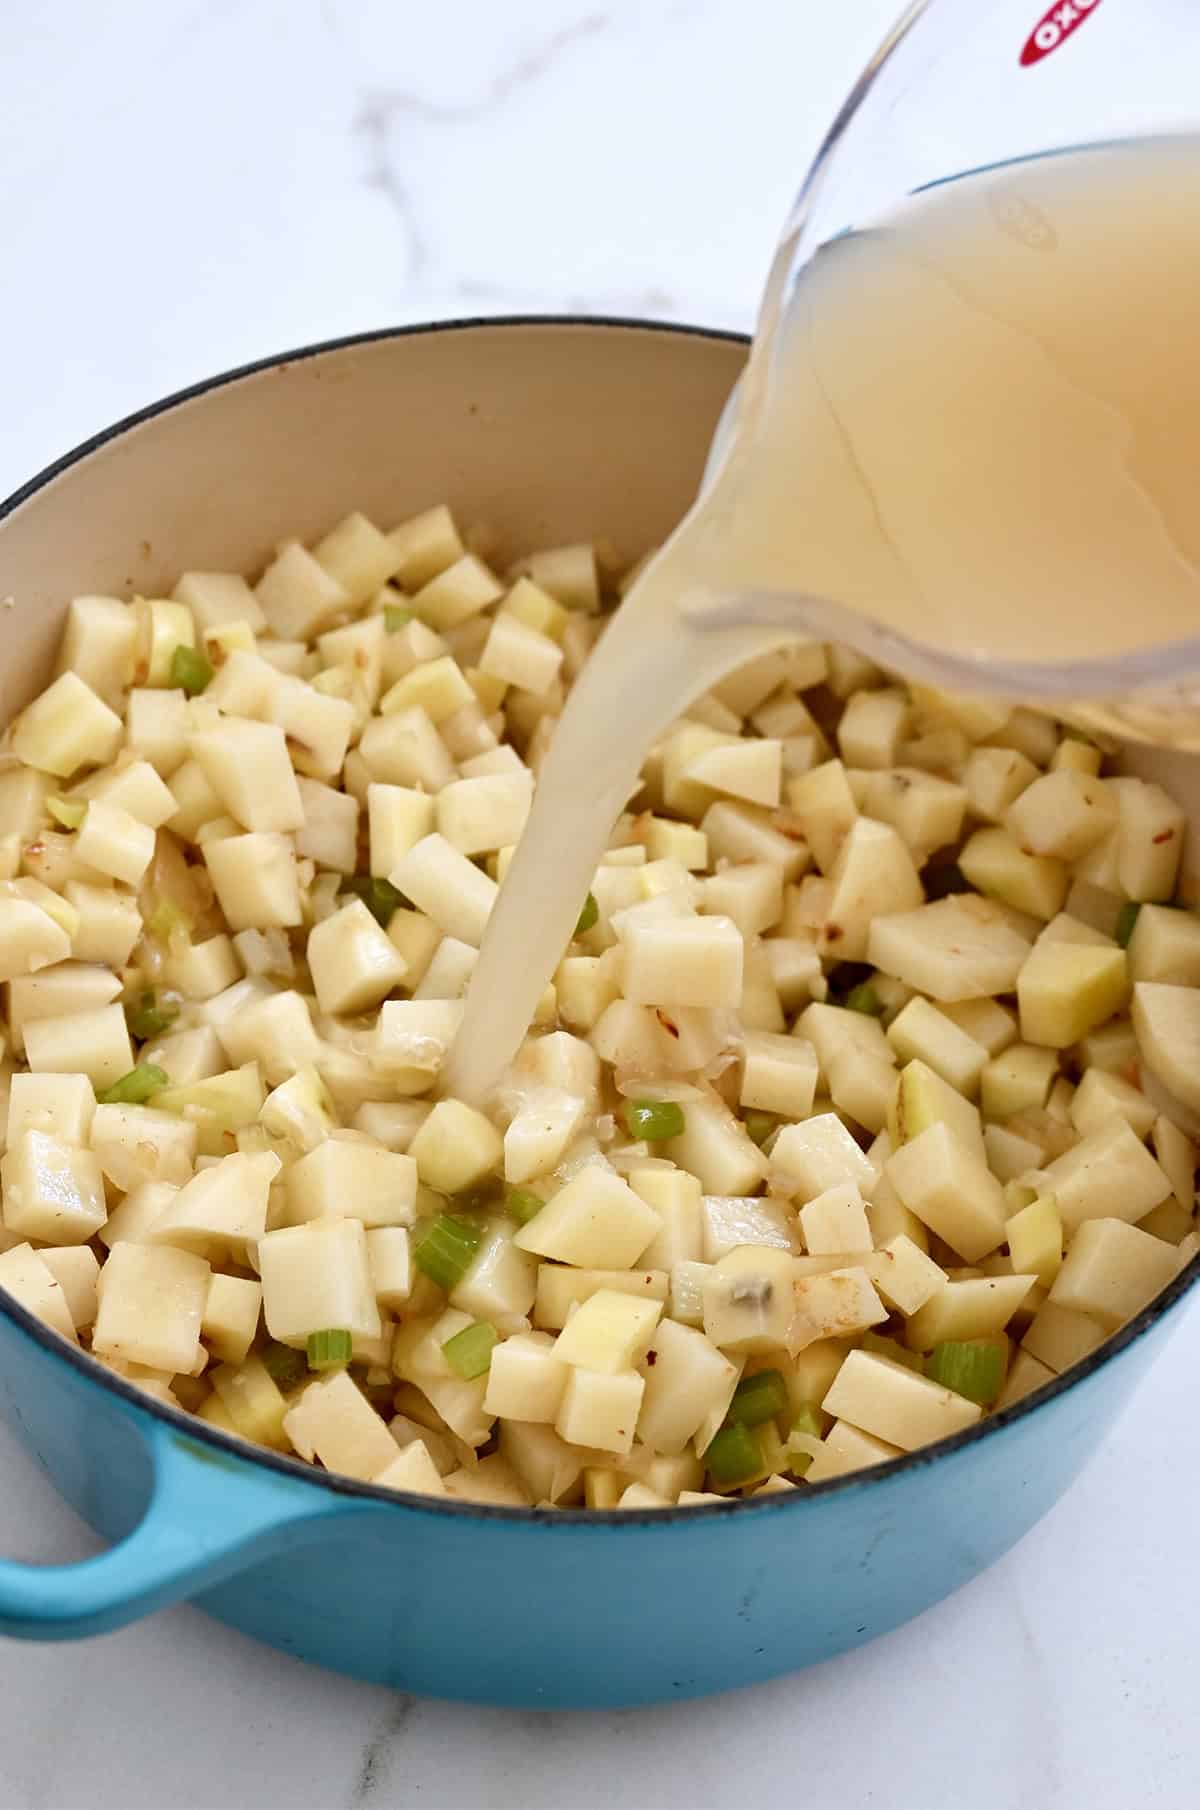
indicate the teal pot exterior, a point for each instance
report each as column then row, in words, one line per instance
column 557, row 429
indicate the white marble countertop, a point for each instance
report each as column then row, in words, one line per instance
column 195, row 184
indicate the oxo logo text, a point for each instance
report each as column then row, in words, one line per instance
column 1055, row 25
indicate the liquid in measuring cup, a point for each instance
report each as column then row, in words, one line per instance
column 974, row 442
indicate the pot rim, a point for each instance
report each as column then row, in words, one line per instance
column 230, row 1445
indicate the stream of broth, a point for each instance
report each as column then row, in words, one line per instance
column 974, row 437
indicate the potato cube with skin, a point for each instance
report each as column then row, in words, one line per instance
column 222, row 1211
column 600, row 1410
column 255, row 880
column 954, row 949
column 66, row 727
column 334, row 1421
column 353, row 964
column 683, row 962
column 29, row 938
column 230, row 1318
column 747, row 1299
column 1065, row 990
column 489, row 812
column 519, row 653
column 441, row 882
column 355, row 1179
column 61, row 1106
column 398, row 817
column 688, row 1380
column 151, row 1305
column 835, row 1221
column 316, row 1277
column 595, row 1221
column 895, row 1403
column 609, row 1331
column 872, row 874
column 1112, row 1270
column 329, row 833
column 906, row 1276
column 52, row 1191
column 840, row 1304
column 456, row 1147
column 1062, row 814
column 28, row 1278
column 820, row 1154
column 94, row 1043
column 950, row 1190
column 98, row 644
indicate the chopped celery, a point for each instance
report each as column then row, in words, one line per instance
column 135, row 1088
column 70, row 812
column 153, row 1014
column 653, row 1120
column 971, row 1367
column 1127, row 917
column 864, row 998
column 588, row 916
column 167, row 920
column 330, row 1349
column 759, row 1126
column 445, row 1251
column 190, row 671
column 808, row 1419
column 758, row 1398
column 734, row 1457
column 395, row 618
column 469, row 1352
column 380, row 897
column 522, row 1204
column 284, row 1365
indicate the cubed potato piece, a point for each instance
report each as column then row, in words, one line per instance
column 994, row 778
column 52, row 1191
column 689, row 1380
column 361, row 1181
column 413, row 1469
column 406, row 750
column 222, row 1212
column 1176, row 1155
column 683, row 962
column 746, row 832
column 779, row 1074
column 248, row 766
column 839, row 1304
column 218, row 598
column 595, row 1221
column 997, row 866
column 255, row 880
column 230, row 1318
column 1035, row 1239
column 456, row 593
column 872, row 874
column 747, row 1299
column 334, row 1421
column 1112, row 1270
column 1065, row 990
column 275, row 1030
column 600, row 1410
column 1026, row 1373
column 872, row 727
column 202, row 970
column 53, row 992
column 357, row 556
column 834, row 1031
column 449, row 972
column 970, row 1307
column 835, row 1221
column 389, row 1256
column 353, row 964
column 560, row 1290
column 610, row 1331
column 98, row 644
column 519, row 653
column 163, row 626
column 67, row 727
column 76, row 1269
column 1059, row 1336
column 438, row 687
column 818, row 1155
column 824, row 807
column 425, row 545
column 398, row 818
column 676, row 1198
column 957, row 948
column 716, row 1149
column 1018, row 1080
column 950, row 1190
column 1099, row 1096
column 895, row 1403
column 61, row 1106
column 446, row 886
column 109, row 923
column 920, row 1031
column 298, row 596
column 488, row 812
column 28, row 1278
column 135, row 1144
column 93, row 1043
column 1063, row 814
column 157, row 726
column 412, row 1037
column 1165, row 946
column 751, row 769
column 845, row 1449
column 749, row 892
column 1166, row 1020
column 905, row 1275
column 1149, row 840
column 926, row 810
column 986, row 1021
column 456, row 1147
column 1109, row 1175
column 151, row 1305
column 316, row 1277
column 500, row 1282
column 539, row 1134
column 30, row 938
column 730, row 1220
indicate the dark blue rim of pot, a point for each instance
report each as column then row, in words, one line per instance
column 228, row 1445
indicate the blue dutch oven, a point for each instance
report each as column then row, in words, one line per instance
column 551, row 430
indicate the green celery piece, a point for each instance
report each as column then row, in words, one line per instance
column 971, row 1367
column 135, row 1088
column 758, row 1398
column 330, row 1349
column 469, row 1352
column 190, row 671
column 653, row 1120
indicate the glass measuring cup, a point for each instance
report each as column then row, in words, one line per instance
column 991, row 94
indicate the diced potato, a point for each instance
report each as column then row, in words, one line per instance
column 846, row 1448
column 298, row 596
column 835, row 1221
column 1065, row 990
column 1149, row 839
column 1109, row 1175
column 838, row 1304
column 134, row 1144
column 316, row 1277
column 1035, row 1239
column 94, row 1043
column 1099, row 1096
column 1112, row 1271
column 896, row 1404
column 950, row 1190
column 52, row 1191
column 247, row 765
column 957, row 948
column 1000, row 868
column 334, row 1421
column 779, row 1074
column 678, row 962
column 1019, row 1079
column 825, row 809
column 595, row 1221
column 230, row 1317
column 353, row 964
column 817, row 1155
column 1062, row 814
column 872, row 873
column 441, row 882
column 28, row 1278
column 29, row 938
column 716, row 1150
column 456, row 1147
column 1060, row 1336
column 1166, row 1020
column 221, row 1213
column 358, row 1180
column 61, row 1106
column 905, row 1275
column 994, row 778
column 151, row 1305
column 971, row 1307
column 65, row 728
column 255, row 880
column 610, row 1331
column 920, row 1031
column 600, row 1410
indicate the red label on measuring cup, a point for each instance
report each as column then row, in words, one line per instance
column 1054, row 27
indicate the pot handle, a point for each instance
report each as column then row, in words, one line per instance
column 209, row 1515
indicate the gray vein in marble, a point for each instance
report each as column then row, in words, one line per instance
column 378, row 1756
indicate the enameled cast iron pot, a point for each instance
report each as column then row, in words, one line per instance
column 551, row 431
